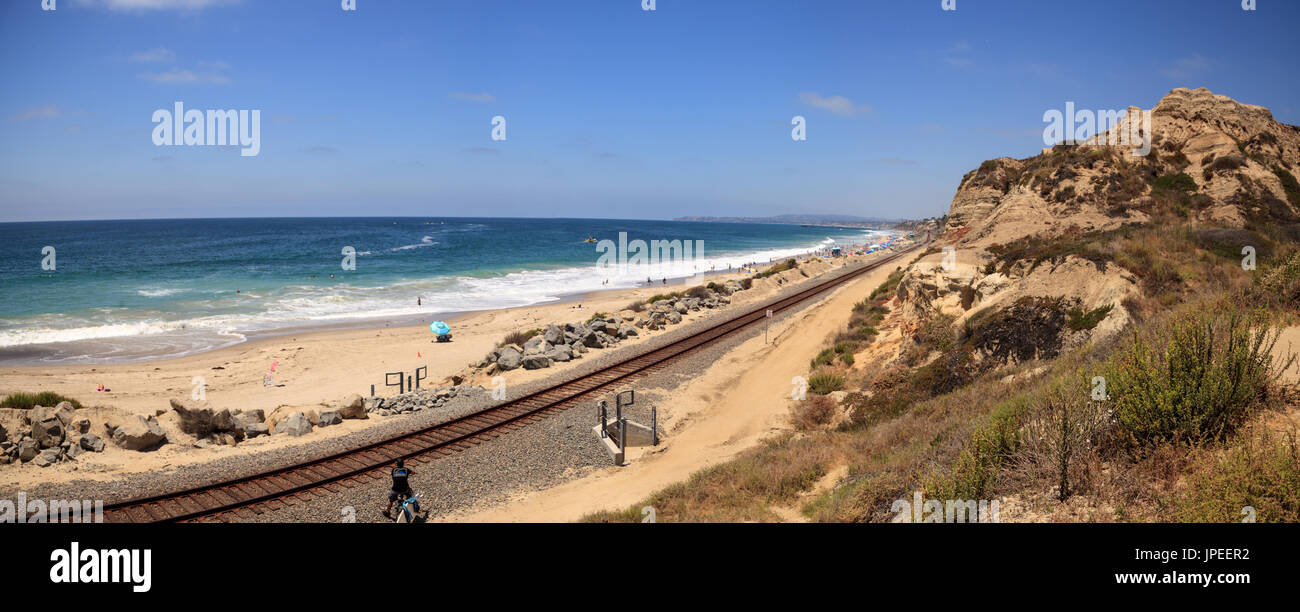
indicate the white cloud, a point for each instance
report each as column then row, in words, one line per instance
column 161, row 54
column 155, row 5
column 40, row 112
column 472, row 97
column 177, row 75
column 838, row 105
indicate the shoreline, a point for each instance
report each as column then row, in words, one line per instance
column 321, row 368
column 16, row 356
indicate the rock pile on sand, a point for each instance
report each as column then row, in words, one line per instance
column 299, row 422
column 569, row 341
column 420, row 399
column 45, row 436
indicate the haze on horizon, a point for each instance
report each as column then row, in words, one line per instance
column 612, row 111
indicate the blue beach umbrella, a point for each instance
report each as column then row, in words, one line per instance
column 439, row 328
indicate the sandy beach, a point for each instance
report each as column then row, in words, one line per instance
column 317, row 369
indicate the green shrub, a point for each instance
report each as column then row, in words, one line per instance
column 1193, row 382
column 1227, row 242
column 1263, row 474
column 886, row 289
column 976, row 469
column 1181, row 183
column 821, row 384
column 698, row 292
column 1279, row 286
column 826, row 357
column 1039, row 249
column 788, row 264
column 664, row 296
column 518, row 337
column 1223, row 164
column 1289, row 185
column 1078, row 320
column 27, row 401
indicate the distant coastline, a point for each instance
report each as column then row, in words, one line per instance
column 836, row 221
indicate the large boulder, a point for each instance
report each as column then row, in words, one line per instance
column 353, row 407
column 625, row 330
column 48, row 457
column 561, row 353
column 28, row 449
column 195, row 417
column 66, row 413
column 537, row 345
column 249, row 424
column 536, row 362
column 553, row 335
column 296, row 425
column 223, row 421
column 91, row 442
column 48, row 431
column 592, row 340
column 329, row 417
column 137, row 433
column 510, row 358
column 279, row 414
column 39, row 413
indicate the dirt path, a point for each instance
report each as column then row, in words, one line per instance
column 741, row 399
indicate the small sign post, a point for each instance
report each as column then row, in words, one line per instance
column 766, row 324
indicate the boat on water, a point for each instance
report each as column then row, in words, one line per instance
column 590, row 239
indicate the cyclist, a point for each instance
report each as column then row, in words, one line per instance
column 401, row 488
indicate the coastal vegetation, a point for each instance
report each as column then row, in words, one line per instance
column 788, row 264
column 1166, row 403
column 27, row 401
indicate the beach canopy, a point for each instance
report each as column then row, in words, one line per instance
column 439, row 328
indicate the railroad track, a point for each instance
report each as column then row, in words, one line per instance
column 248, row 496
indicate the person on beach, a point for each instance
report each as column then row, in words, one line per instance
column 401, row 486
column 419, row 301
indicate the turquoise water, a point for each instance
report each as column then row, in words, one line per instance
column 129, row 290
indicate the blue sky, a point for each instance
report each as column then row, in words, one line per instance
column 611, row 111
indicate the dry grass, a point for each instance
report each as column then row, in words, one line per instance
column 815, row 412
column 927, row 424
column 743, row 489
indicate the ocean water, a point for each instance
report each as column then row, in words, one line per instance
column 131, row 290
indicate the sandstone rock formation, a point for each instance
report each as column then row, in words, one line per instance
column 1018, row 229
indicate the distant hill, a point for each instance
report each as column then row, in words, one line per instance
column 832, row 220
